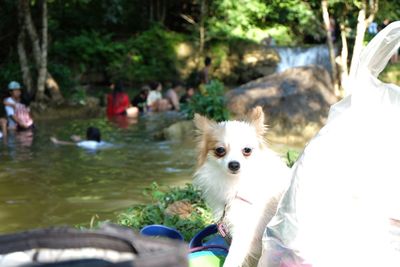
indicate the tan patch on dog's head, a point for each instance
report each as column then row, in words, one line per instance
column 207, row 130
column 256, row 118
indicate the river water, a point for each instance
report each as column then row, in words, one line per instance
column 42, row 184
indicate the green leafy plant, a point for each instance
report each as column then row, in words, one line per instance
column 141, row 215
column 209, row 102
column 291, row 157
column 79, row 96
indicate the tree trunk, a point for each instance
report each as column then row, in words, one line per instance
column 203, row 11
column 151, row 9
column 344, row 73
column 43, row 56
column 163, row 11
column 158, row 10
column 358, row 44
column 31, row 31
column 38, row 54
column 328, row 29
column 23, row 59
column 362, row 24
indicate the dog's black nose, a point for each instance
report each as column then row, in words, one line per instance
column 234, row 166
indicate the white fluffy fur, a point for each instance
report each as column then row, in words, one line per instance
column 261, row 180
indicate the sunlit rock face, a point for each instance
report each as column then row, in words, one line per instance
column 233, row 63
column 247, row 62
column 296, row 101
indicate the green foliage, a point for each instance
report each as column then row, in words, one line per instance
column 282, row 35
column 258, row 19
column 235, row 17
column 79, row 96
column 209, row 102
column 291, row 157
column 391, row 74
column 220, row 52
column 89, row 50
column 64, row 77
column 302, row 18
column 148, row 56
column 388, row 10
column 10, row 71
column 141, row 215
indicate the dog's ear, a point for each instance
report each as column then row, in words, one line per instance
column 204, row 128
column 202, row 123
column 256, row 117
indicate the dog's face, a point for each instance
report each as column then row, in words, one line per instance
column 231, row 145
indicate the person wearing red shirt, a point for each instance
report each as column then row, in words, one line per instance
column 118, row 102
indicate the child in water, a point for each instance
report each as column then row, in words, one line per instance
column 93, row 140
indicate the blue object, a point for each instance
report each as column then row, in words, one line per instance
column 161, row 230
column 216, row 243
column 211, row 253
column 373, row 28
column 14, row 85
column 209, row 231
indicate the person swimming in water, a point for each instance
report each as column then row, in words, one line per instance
column 93, row 140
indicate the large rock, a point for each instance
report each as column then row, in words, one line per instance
column 179, row 130
column 296, row 101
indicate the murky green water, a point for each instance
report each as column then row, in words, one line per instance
column 42, row 184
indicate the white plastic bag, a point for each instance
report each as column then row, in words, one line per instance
column 343, row 205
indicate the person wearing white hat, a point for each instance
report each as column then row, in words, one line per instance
column 17, row 114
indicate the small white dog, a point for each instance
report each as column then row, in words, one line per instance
column 241, row 180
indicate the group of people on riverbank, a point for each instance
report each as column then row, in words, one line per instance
column 151, row 98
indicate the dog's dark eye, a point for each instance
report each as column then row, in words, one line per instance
column 220, row 151
column 247, row 151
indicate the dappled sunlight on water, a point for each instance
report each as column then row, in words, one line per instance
column 43, row 184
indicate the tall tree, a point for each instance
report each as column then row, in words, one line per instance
column 202, row 30
column 344, row 11
column 39, row 49
column 22, row 55
column 198, row 22
column 157, row 10
column 42, row 64
column 366, row 15
column 330, row 30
